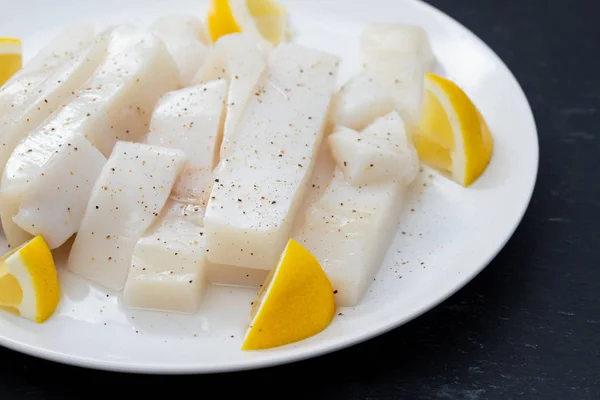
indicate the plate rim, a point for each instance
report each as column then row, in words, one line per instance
column 299, row 354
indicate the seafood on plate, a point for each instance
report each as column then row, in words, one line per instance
column 189, row 153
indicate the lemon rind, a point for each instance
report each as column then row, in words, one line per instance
column 456, row 156
column 10, row 46
column 264, row 294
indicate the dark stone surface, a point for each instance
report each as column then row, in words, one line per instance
column 529, row 326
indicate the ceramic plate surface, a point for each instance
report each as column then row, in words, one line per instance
column 446, row 235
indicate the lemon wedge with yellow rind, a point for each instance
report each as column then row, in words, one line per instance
column 28, row 281
column 11, row 59
column 453, row 136
column 296, row 302
column 267, row 18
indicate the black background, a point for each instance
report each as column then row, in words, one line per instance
column 527, row 327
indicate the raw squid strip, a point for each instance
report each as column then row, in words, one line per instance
column 240, row 59
column 397, row 56
column 114, row 104
column 349, row 228
column 262, row 183
column 126, row 200
column 182, row 34
column 42, row 99
column 190, row 120
column 167, row 271
column 65, row 47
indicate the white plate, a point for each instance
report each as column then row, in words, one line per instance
column 449, row 238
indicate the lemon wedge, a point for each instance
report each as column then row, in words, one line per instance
column 264, row 17
column 296, row 302
column 11, row 59
column 453, row 136
column 29, row 282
